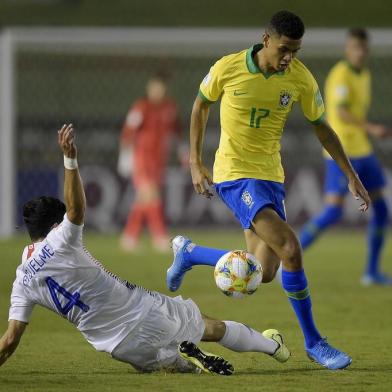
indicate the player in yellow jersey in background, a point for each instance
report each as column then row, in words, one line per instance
column 348, row 95
column 258, row 88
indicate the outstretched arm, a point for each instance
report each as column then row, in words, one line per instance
column 11, row 338
column 75, row 199
column 377, row 130
column 201, row 177
column 331, row 143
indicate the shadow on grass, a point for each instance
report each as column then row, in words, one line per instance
column 15, row 377
column 352, row 370
column 70, row 373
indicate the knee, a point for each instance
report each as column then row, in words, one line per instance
column 291, row 252
column 269, row 273
column 268, row 277
column 333, row 213
column 147, row 193
column 214, row 330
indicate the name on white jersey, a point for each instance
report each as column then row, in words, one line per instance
column 35, row 264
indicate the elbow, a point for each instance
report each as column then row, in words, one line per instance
column 76, row 215
column 79, row 214
column 79, row 217
column 325, row 139
column 10, row 342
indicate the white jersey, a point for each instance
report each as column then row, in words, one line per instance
column 60, row 274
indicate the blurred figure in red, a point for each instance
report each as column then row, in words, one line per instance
column 151, row 123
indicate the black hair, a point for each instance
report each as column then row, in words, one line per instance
column 358, row 33
column 286, row 23
column 41, row 214
column 160, row 76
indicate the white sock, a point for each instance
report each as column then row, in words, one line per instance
column 241, row 338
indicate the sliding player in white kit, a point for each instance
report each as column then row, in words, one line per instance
column 146, row 329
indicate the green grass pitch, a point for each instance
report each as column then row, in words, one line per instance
column 54, row 357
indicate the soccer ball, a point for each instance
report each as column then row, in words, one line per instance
column 238, row 273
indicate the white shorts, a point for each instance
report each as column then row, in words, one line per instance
column 154, row 344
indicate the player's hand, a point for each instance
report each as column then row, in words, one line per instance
column 183, row 156
column 66, row 139
column 125, row 161
column 201, row 179
column 359, row 192
column 378, row 130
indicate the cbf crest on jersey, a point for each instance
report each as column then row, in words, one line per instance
column 284, row 99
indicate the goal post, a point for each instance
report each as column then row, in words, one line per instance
column 7, row 148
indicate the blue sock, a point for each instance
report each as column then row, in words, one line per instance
column 376, row 235
column 296, row 287
column 200, row 255
column 330, row 215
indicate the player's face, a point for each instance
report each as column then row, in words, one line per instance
column 356, row 51
column 156, row 91
column 280, row 50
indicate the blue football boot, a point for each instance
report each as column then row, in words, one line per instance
column 175, row 274
column 326, row 355
column 377, row 279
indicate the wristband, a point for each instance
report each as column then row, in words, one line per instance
column 70, row 163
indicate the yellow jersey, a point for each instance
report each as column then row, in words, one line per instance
column 254, row 108
column 350, row 88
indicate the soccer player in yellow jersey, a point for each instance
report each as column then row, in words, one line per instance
column 347, row 93
column 258, row 88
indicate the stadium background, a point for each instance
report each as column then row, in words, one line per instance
column 93, row 87
column 91, row 74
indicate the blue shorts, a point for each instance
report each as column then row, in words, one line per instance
column 247, row 196
column 369, row 171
